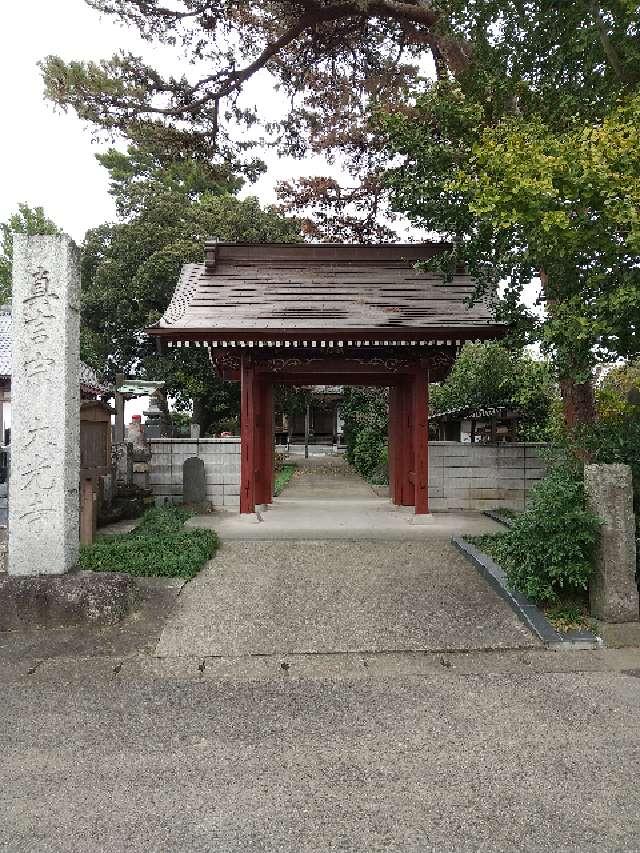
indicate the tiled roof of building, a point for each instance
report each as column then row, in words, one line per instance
column 297, row 291
column 89, row 382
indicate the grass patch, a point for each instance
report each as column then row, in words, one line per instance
column 283, row 477
column 159, row 546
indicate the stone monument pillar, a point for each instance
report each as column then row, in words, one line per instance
column 140, row 452
column 613, row 591
column 45, row 392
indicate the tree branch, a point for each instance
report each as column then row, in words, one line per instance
column 309, row 21
column 622, row 73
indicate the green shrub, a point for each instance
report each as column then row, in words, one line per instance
column 364, row 412
column 548, row 552
column 161, row 520
column 369, row 455
column 167, row 555
column 158, row 546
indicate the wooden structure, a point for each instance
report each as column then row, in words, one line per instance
column 95, row 461
column 489, row 425
column 326, row 314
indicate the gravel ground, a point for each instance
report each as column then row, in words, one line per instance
column 489, row 762
column 330, row 596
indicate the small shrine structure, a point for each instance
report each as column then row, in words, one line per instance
column 334, row 314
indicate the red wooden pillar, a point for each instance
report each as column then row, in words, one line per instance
column 264, row 441
column 420, row 388
column 258, row 437
column 394, row 446
column 267, row 438
column 406, row 443
column 247, row 434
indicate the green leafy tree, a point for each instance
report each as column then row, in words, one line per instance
column 130, row 270
column 28, row 220
column 335, row 59
column 529, row 166
column 488, row 375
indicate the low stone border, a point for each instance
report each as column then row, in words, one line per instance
column 496, row 515
column 531, row 615
column 77, row 598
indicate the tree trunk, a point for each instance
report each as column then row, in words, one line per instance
column 578, row 398
column 201, row 415
column 578, row 401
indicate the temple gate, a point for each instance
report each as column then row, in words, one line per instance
column 326, row 315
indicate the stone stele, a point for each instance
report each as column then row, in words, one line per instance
column 45, row 392
column 194, row 484
column 613, row 591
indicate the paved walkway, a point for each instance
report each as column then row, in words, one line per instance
column 342, row 572
column 440, row 761
column 327, row 500
column 105, row 746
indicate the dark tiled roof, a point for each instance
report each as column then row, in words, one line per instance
column 89, row 382
column 305, row 291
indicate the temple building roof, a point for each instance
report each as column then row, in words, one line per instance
column 90, row 385
column 301, row 294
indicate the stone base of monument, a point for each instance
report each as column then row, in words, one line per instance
column 78, row 598
column 618, row 635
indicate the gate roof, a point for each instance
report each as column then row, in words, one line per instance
column 302, row 293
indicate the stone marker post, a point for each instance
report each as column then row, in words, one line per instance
column 613, row 592
column 194, row 482
column 45, row 392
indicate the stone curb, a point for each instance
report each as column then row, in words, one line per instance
column 495, row 515
column 527, row 612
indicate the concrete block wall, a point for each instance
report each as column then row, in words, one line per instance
column 461, row 476
column 483, row 476
column 221, row 458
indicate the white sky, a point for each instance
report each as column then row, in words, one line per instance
column 47, row 158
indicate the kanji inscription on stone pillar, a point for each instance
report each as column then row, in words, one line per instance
column 45, row 406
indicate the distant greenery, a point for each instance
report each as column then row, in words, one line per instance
column 27, row 220
column 548, row 551
column 283, row 477
column 158, row 546
column 365, row 415
column 491, row 376
column 169, row 202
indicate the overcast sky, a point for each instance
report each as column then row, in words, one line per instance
column 47, row 157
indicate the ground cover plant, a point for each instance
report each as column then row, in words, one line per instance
column 158, row 546
column 548, row 551
column 283, row 477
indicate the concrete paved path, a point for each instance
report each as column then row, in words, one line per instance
column 326, row 499
column 329, row 596
column 334, row 569
column 443, row 760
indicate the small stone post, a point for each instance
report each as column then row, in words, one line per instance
column 118, row 437
column 613, row 592
column 45, row 393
